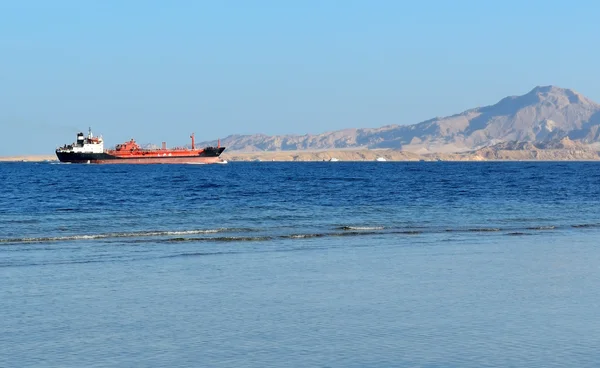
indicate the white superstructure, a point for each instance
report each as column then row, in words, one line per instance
column 89, row 144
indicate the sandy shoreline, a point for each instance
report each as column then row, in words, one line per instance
column 28, row 158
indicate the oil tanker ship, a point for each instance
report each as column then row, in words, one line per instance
column 90, row 149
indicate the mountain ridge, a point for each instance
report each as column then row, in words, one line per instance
column 544, row 115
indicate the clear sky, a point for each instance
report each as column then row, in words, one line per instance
column 159, row 70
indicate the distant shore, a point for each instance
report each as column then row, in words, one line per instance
column 28, row 158
column 396, row 155
column 382, row 155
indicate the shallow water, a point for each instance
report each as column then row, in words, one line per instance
column 300, row 264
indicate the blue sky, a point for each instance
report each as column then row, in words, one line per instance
column 159, row 70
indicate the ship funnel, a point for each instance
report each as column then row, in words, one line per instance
column 193, row 141
column 164, row 145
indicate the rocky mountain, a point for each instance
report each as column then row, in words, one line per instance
column 544, row 117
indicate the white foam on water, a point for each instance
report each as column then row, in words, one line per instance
column 137, row 234
column 363, row 228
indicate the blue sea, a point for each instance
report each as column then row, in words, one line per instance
column 323, row 264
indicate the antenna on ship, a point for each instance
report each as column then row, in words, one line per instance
column 89, row 132
column 192, row 136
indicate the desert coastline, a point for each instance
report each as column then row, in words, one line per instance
column 484, row 154
column 28, row 158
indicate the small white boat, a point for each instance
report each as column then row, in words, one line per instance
column 333, row 159
column 380, row 159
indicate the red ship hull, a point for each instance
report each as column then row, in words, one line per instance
column 161, row 160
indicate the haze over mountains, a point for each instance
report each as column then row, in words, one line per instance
column 546, row 117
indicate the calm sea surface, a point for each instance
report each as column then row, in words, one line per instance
column 381, row 264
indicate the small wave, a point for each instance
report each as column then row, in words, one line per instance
column 353, row 233
column 137, row 234
column 585, row 225
column 484, row 229
column 186, row 232
column 303, row 236
column 409, row 232
column 239, row 238
column 517, row 233
column 197, row 254
column 550, row 227
column 475, row 230
column 361, row 228
column 221, row 239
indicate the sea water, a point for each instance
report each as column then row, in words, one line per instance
column 380, row 264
